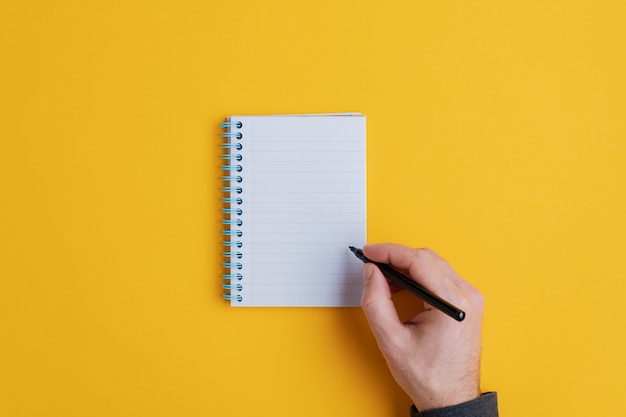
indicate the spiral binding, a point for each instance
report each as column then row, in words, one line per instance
column 232, row 221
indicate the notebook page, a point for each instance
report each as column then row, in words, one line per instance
column 303, row 205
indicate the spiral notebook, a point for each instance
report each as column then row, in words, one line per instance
column 294, row 200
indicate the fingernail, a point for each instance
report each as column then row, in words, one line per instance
column 368, row 272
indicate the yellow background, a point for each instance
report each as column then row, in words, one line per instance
column 496, row 136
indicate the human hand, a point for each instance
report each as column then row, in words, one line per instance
column 435, row 359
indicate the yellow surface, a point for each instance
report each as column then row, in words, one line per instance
column 496, row 136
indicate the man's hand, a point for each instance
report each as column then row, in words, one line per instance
column 434, row 358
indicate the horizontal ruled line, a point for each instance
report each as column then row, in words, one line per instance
column 340, row 139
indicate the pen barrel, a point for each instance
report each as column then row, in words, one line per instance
column 421, row 292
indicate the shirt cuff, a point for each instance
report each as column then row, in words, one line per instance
column 484, row 406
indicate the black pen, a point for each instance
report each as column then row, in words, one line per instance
column 413, row 287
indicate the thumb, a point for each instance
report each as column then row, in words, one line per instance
column 377, row 304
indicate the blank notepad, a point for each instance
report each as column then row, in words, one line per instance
column 294, row 201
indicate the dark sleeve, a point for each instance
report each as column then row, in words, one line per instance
column 484, row 406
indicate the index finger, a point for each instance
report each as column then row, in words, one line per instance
column 422, row 266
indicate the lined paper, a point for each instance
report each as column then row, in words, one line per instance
column 304, row 202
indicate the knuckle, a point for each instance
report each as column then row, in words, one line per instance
column 423, row 252
column 368, row 304
column 476, row 299
column 426, row 250
column 477, row 296
column 423, row 256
